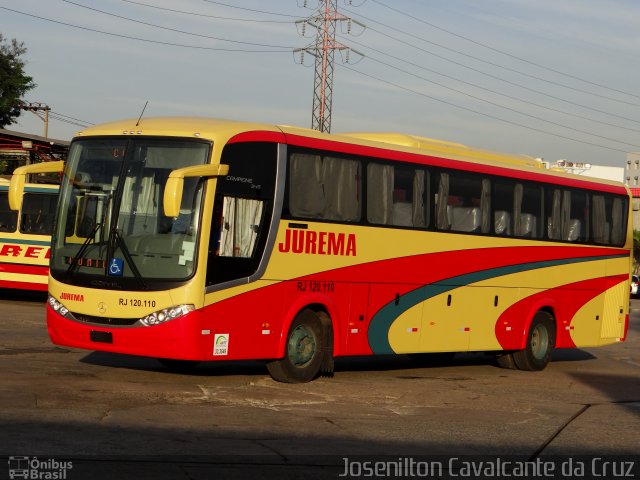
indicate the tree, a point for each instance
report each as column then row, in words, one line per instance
column 13, row 81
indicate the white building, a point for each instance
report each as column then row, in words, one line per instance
column 616, row 174
column 629, row 176
column 632, row 179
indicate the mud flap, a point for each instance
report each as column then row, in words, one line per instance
column 327, row 365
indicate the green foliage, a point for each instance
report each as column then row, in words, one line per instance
column 14, row 84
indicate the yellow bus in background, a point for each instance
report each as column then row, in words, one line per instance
column 25, row 237
column 194, row 239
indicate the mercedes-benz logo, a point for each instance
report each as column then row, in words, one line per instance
column 102, row 308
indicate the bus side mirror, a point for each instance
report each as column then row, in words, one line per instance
column 19, row 177
column 175, row 183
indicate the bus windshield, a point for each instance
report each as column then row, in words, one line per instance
column 111, row 221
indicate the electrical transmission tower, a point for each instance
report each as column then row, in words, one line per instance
column 324, row 21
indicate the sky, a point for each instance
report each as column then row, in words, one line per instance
column 546, row 78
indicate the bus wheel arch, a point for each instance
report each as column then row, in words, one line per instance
column 308, row 348
column 538, row 343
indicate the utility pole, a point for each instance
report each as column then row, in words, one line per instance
column 36, row 108
column 324, row 21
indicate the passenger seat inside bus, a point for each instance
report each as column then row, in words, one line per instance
column 575, row 227
column 402, row 214
column 527, row 226
column 502, row 222
column 571, row 234
column 465, row 219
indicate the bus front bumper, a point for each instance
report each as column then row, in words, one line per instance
column 181, row 338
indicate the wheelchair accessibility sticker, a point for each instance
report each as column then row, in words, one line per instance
column 116, row 265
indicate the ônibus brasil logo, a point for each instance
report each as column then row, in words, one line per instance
column 35, row 469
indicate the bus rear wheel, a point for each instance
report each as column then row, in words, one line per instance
column 303, row 353
column 541, row 340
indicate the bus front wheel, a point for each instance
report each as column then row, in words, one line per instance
column 303, row 351
column 541, row 340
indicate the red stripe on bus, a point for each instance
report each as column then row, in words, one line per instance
column 258, row 136
column 565, row 300
column 41, row 287
column 24, row 269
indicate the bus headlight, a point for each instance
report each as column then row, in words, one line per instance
column 58, row 307
column 166, row 314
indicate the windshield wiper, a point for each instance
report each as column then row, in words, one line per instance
column 127, row 256
column 83, row 248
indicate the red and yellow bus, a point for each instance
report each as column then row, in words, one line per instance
column 25, row 237
column 192, row 239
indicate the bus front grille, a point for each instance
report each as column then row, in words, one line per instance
column 104, row 320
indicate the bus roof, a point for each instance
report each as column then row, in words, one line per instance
column 220, row 131
column 195, row 127
column 444, row 147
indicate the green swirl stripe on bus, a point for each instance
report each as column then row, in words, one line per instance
column 384, row 318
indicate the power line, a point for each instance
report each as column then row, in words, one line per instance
column 53, row 116
column 251, row 9
column 558, row 84
column 489, row 90
column 502, row 52
column 507, row 108
column 83, row 122
column 128, row 37
column 539, row 130
column 198, row 14
column 174, row 29
column 495, row 77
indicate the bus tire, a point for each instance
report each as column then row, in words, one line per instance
column 541, row 339
column 303, row 352
column 505, row 360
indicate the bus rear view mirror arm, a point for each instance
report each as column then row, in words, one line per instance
column 19, row 177
column 175, row 184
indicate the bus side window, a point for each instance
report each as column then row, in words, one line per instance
column 443, row 209
column 239, row 226
column 608, row 214
column 567, row 215
column 324, row 187
column 38, row 211
column 503, row 204
column 600, row 221
column 396, row 195
column 469, row 203
column 8, row 217
column 527, row 208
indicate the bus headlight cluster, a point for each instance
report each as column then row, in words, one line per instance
column 166, row 314
column 58, row 307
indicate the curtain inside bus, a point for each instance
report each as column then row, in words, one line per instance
column 324, row 187
column 239, row 226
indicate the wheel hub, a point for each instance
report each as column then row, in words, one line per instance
column 302, row 346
